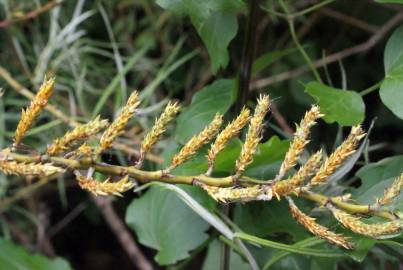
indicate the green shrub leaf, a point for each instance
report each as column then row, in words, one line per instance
column 342, row 106
column 215, row 21
column 163, row 222
column 216, row 97
column 13, row 257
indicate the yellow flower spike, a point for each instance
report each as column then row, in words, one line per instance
column 20, row 168
column 117, row 126
column 230, row 131
column 346, row 149
column 241, row 194
column 290, row 185
column 37, row 104
column 392, row 191
column 105, row 188
column 80, row 132
column 317, row 229
column 376, row 230
column 300, row 140
column 253, row 136
column 196, row 142
column 157, row 130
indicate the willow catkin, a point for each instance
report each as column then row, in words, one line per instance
column 230, row 131
column 239, row 194
column 78, row 133
column 300, row 140
column 21, row 168
column 37, row 104
column 105, row 188
column 253, row 136
column 117, row 126
column 317, row 229
column 290, row 185
column 346, row 149
column 376, row 230
column 392, row 191
column 196, row 142
column 158, row 129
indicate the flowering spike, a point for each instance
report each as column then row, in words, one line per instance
column 117, row 126
column 105, row 188
column 300, row 140
column 290, row 185
column 317, row 229
column 230, row 131
column 21, row 168
column 392, row 191
column 78, row 133
column 241, row 194
column 376, row 230
column 346, row 149
column 35, row 108
column 158, row 129
column 196, row 142
column 253, row 136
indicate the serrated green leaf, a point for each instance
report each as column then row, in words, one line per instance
column 342, row 106
column 163, row 222
column 13, row 257
column 215, row 22
column 216, row 97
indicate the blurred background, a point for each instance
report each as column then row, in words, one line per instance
column 100, row 51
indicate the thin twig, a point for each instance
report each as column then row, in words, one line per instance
column 363, row 47
column 122, row 234
column 30, row 15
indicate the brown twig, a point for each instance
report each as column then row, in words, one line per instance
column 30, row 15
column 281, row 120
column 363, row 47
column 349, row 20
column 122, row 234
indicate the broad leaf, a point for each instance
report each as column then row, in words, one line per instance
column 342, row 106
column 13, row 257
column 376, row 177
column 163, row 222
column 216, row 97
column 215, row 22
column 213, row 259
column 391, row 91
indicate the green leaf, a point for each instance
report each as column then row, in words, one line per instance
column 342, row 106
column 269, row 58
column 13, row 257
column 163, row 222
column 376, row 177
column 391, row 89
column 216, row 97
column 390, row 1
column 215, row 21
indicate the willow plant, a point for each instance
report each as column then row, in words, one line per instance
column 72, row 153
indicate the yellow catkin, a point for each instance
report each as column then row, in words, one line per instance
column 78, row 133
column 196, row 142
column 253, row 136
column 158, row 129
column 239, row 194
column 346, row 149
column 376, row 230
column 230, row 131
column 290, row 185
column 117, row 126
column 37, row 104
column 392, row 191
column 317, row 229
column 20, row 168
column 300, row 140
column 105, row 188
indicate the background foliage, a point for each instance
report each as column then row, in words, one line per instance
column 346, row 56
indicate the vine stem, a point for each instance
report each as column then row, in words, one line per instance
column 160, row 176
